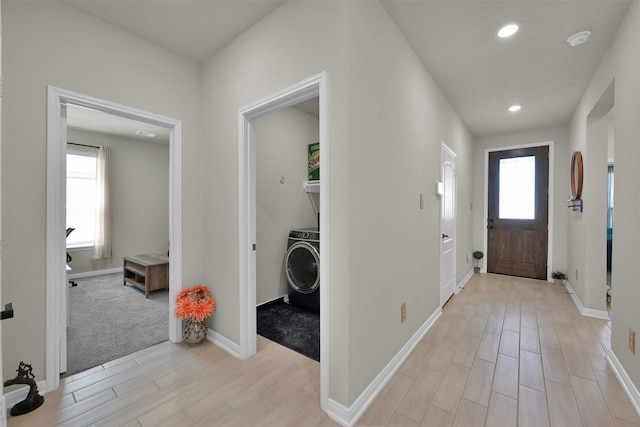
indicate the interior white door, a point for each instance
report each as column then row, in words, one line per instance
column 448, row 225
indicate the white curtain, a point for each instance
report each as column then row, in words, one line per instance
column 102, row 246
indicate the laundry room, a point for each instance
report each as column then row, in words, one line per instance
column 287, row 227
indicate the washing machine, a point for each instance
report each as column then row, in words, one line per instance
column 302, row 267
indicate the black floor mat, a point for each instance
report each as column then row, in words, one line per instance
column 291, row 327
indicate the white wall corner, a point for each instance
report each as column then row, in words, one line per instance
column 464, row 281
column 349, row 416
column 588, row 312
column 625, row 381
column 339, row 413
column 224, row 343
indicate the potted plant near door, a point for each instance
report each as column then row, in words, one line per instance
column 477, row 255
column 558, row 277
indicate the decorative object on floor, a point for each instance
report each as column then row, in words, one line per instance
column 194, row 305
column 194, row 331
column 33, row 400
column 291, row 327
column 558, row 277
column 477, row 255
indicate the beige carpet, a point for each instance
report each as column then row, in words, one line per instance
column 108, row 320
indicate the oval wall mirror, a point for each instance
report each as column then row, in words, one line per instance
column 576, row 175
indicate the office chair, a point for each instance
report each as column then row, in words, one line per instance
column 69, row 230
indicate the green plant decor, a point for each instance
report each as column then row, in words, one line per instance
column 558, row 275
column 477, row 255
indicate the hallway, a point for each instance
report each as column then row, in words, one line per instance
column 507, row 351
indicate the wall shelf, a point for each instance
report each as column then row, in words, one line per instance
column 311, row 186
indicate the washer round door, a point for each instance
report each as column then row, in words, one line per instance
column 302, row 265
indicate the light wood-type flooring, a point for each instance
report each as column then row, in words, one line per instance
column 505, row 352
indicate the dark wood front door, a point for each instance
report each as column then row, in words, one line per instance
column 518, row 212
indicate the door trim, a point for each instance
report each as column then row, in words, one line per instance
column 314, row 86
column 550, row 216
column 56, row 302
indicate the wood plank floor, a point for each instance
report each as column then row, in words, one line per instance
column 505, row 352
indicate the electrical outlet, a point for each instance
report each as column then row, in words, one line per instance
column 632, row 340
column 403, row 312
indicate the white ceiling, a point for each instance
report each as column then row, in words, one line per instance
column 455, row 39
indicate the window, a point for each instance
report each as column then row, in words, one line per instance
column 518, row 188
column 81, row 197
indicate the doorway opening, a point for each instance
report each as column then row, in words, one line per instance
column 599, row 257
column 117, row 205
column 56, row 283
column 316, row 86
column 288, row 258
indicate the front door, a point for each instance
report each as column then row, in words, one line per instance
column 518, row 212
column 448, row 225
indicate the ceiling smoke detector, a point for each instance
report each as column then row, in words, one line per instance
column 578, row 38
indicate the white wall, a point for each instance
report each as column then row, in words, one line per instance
column 622, row 65
column 49, row 43
column 561, row 186
column 398, row 119
column 295, row 42
column 595, row 186
column 139, row 199
column 282, row 140
column 387, row 120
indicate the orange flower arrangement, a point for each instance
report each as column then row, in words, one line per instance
column 195, row 303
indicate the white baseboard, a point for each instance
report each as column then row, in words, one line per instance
column 464, row 281
column 18, row 395
column 95, row 273
column 625, row 381
column 224, row 343
column 589, row 312
column 349, row 416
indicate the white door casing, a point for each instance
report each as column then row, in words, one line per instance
column 448, row 225
column 56, row 298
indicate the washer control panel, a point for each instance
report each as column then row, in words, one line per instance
column 305, row 234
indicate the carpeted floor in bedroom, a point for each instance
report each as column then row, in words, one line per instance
column 108, row 320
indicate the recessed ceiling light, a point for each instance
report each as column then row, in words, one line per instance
column 508, row 30
column 578, row 38
column 515, row 108
column 145, row 133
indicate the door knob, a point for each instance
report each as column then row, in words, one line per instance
column 445, row 236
